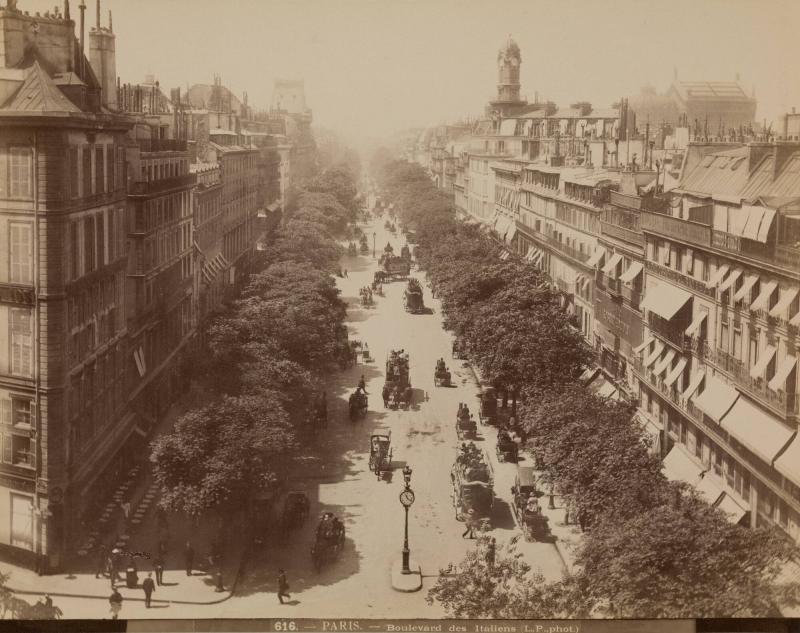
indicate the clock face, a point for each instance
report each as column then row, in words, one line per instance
column 407, row 497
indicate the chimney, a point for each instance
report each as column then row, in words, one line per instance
column 757, row 152
column 783, row 151
column 102, row 57
column 82, row 7
column 66, row 10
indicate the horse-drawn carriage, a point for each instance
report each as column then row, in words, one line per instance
column 465, row 423
column 488, row 406
column 527, row 510
column 366, row 296
column 441, row 375
column 507, row 448
column 473, row 484
column 405, row 252
column 358, row 404
column 413, row 297
column 380, row 453
column 394, row 267
column 397, row 391
column 459, row 353
column 329, row 540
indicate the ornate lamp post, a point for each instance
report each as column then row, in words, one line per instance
column 407, row 499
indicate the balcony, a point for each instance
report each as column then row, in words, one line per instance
column 675, row 334
column 568, row 250
column 781, row 255
column 780, row 402
column 671, row 393
column 616, row 288
column 621, row 233
column 673, row 275
column 161, row 145
column 683, row 230
column 637, row 203
column 157, row 187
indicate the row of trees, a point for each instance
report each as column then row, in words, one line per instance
column 652, row 548
column 262, row 361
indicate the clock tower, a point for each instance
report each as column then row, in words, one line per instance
column 509, row 60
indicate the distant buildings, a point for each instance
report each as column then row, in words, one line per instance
column 670, row 231
column 127, row 216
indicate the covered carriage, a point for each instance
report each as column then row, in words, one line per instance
column 397, row 391
column 380, row 453
column 328, row 541
column 358, row 404
column 465, row 424
column 473, row 484
column 295, row 509
column 441, row 375
column 413, row 297
column 526, row 508
column 507, row 448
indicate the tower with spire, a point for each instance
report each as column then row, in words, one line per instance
column 508, row 98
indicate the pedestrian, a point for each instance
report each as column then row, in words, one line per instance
column 102, row 562
column 188, row 557
column 345, row 272
column 126, row 509
column 159, row 566
column 470, row 522
column 48, row 601
column 115, row 559
column 149, row 587
column 490, row 552
column 115, row 600
column 385, row 394
column 283, row 586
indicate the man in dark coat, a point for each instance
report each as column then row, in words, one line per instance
column 188, row 557
column 115, row 600
column 159, row 571
column 283, row 586
column 102, row 562
column 149, row 587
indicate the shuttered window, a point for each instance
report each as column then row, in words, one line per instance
column 21, row 253
column 21, row 342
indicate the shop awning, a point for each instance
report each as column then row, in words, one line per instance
column 589, row 374
column 757, row 370
column 732, row 509
column 717, row 398
column 795, row 320
column 730, row 280
column 757, row 430
column 744, row 291
column 717, row 276
column 638, row 349
column 694, row 384
column 634, row 270
column 596, row 256
column 709, row 489
column 612, row 263
column 694, row 327
column 657, row 349
column 607, row 390
column 663, row 364
column 788, row 464
column 676, row 371
column 678, row 466
column 762, row 301
column 778, row 382
column 512, row 231
column 531, row 252
column 537, row 257
column 665, row 300
column 787, row 296
column 504, row 255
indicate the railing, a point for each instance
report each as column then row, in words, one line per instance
column 675, row 335
column 778, row 254
column 673, row 275
column 161, row 145
column 165, row 184
column 638, row 203
column 621, row 233
column 671, row 393
column 785, row 404
column 617, row 288
column 684, row 230
column 568, row 250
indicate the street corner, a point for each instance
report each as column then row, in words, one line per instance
column 408, row 582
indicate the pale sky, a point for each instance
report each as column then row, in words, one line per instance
column 372, row 67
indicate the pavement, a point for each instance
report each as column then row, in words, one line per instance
column 337, row 478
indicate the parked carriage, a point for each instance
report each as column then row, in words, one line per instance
column 329, row 541
column 507, row 448
column 357, row 405
column 527, row 511
column 295, row 510
column 380, row 453
column 458, row 350
column 466, row 427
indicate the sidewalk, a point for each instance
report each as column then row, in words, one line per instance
column 567, row 537
column 142, row 537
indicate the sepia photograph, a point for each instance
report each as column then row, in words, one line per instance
column 421, row 316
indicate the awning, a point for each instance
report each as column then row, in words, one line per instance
column 612, row 263
column 634, row 270
column 730, row 280
column 757, row 370
column 678, row 466
column 657, row 349
column 531, row 252
column 717, row 276
column 694, row 327
column 732, row 509
column 596, row 256
column 139, row 430
column 753, row 222
column 537, row 257
column 744, row 291
column 757, row 430
column 787, row 296
column 717, row 398
column 766, row 223
column 788, row 464
column 638, row 349
column 512, row 231
column 607, row 390
column 694, row 384
column 589, row 374
column 665, row 300
column 676, row 371
column 762, row 301
column 778, row 382
column 795, row 320
column 663, row 364
column 709, row 489
column 504, row 255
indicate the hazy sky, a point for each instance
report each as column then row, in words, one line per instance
column 377, row 66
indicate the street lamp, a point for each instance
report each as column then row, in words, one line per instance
column 407, row 499
column 373, row 245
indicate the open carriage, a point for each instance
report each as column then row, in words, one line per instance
column 526, row 508
column 441, row 375
column 507, row 448
column 397, row 391
column 473, row 485
column 466, row 427
column 380, row 453
column 329, row 540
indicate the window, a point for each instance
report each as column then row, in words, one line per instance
column 21, row 253
column 752, row 352
column 86, row 176
column 724, row 338
column 698, row 445
column 21, row 412
column 20, row 174
column 101, row 241
column 99, row 169
column 75, row 251
column 110, row 171
column 74, row 176
column 737, row 344
column 88, row 244
column 21, row 342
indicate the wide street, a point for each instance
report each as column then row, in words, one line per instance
column 424, row 437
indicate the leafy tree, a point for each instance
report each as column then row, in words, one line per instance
column 308, row 243
column 217, row 457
